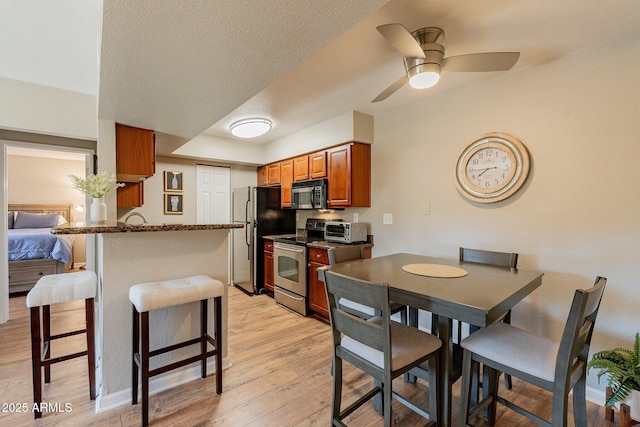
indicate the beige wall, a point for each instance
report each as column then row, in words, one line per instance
column 578, row 215
column 153, row 208
column 45, row 180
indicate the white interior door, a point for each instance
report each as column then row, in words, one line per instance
column 214, row 194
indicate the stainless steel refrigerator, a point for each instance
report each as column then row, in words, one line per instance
column 259, row 209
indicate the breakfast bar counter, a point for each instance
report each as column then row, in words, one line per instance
column 128, row 255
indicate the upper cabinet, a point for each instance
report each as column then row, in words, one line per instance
column 135, row 153
column 263, row 173
column 347, row 168
column 349, row 175
column 273, row 173
column 286, row 178
column 131, row 195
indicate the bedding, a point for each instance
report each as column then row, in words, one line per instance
column 38, row 243
column 35, row 220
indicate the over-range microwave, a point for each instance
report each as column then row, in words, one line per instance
column 345, row 232
column 309, row 194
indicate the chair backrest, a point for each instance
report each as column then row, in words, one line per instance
column 478, row 256
column 576, row 338
column 373, row 334
column 344, row 253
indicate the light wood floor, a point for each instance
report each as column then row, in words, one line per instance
column 280, row 377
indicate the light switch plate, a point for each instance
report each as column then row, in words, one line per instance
column 387, row 218
column 356, row 217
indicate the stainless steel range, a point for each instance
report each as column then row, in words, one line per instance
column 290, row 265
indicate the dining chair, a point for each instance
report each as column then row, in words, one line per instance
column 556, row 366
column 350, row 252
column 379, row 347
column 500, row 259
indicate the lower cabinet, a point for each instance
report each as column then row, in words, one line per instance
column 317, row 298
column 268, row 265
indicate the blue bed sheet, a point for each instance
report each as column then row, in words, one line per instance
column 39, row 243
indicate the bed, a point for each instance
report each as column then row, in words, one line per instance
column 33, row 251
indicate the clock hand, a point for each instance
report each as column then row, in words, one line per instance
column 486, row 169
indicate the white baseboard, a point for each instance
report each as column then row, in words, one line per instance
column 105, row 402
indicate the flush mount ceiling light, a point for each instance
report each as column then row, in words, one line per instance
column 250, row 128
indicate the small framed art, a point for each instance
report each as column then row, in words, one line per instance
column 173, row 204
column 173, row 181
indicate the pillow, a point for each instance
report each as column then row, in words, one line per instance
column 61, row 220
column 10, row 220
column 30, row 220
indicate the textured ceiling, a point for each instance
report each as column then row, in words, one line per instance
column 186, row 68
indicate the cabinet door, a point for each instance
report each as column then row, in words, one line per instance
column 339, row 175
column 135, row 153
column 286, row 178
column 131, row 195
column 268, row 271
column 317, row 291
column 318, row 165
column 273, row 176
column 301, row 168
column 262, row 175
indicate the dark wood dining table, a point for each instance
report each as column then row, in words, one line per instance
column 481, row 297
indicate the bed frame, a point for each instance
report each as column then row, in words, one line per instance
column 23, row 275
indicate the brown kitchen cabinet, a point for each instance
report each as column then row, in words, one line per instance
column 286, row 178
column 301, row 169
column 131, row 195
column 268, row 265
column 273, row 173
column 263, row 175
column 349, row 175
column 135, row 153
column 317, row 293
column 317, row 299
column 318, row 165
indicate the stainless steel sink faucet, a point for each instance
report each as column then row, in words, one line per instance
column 138, row 214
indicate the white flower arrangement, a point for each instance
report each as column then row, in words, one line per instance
column 95, row 186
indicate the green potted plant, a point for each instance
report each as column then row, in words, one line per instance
column 622, row 367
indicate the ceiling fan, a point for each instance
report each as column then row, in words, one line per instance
column 424, row 58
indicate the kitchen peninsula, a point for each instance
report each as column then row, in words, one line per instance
column 127, row 255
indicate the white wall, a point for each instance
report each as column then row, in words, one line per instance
column 41, row 109
column 577, row 216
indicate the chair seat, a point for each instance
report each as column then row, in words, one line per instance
column 63, row 287
column 515, row 347
column 408, row 345
column 155, row 295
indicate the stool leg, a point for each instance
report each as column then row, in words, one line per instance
column 91, row 349
column 135, row 351
column 218, row 339
column 46, row 338
column 36, row 367
column 203, row 337
column 144, row 362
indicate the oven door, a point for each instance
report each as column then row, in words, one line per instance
column 290, row 272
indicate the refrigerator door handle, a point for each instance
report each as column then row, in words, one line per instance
column 247, row 232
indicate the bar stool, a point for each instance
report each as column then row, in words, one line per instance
column 55, row 289
column 146, row 297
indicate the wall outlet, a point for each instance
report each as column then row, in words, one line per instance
column 356, row 217
column 387, row 218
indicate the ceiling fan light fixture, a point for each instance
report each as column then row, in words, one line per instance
column 424, row 76
column 250, row 128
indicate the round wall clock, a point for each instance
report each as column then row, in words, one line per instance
column 491, row 168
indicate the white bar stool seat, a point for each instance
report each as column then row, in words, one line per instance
column 149, row 296
column 56, row 289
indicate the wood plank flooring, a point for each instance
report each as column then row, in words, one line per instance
column 280, row 377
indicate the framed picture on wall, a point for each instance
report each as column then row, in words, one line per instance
column 173, row 181
column 173, row 204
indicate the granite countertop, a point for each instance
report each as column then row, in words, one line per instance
column 141, row 228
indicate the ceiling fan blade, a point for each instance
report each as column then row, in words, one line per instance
column 489, row 61
column 391, row 89
column 401, row 39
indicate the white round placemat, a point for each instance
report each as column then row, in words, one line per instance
column 434, row 270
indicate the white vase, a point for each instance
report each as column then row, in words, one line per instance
column 98, row 211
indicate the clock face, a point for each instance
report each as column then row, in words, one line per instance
column 491, row 168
